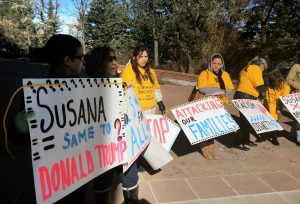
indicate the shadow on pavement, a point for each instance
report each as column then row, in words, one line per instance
column 182, row 146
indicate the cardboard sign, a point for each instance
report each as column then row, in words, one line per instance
column 164, row 130
column 292, row 103
column 136, row 128
column 204, row 119
column 257, row 115
column 75, row 132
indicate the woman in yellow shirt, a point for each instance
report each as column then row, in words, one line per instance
column 138, row 74
column 251, row 86
column 214, row 81
column 276, row 87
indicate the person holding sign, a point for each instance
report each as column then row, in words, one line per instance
column 66, row 58
column 138, row 74
column 142, row 78
column 251, row 86
column 293, row 79
column 214, row 81
column 276, row 87
column 102, row 63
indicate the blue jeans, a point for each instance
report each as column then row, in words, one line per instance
column 130, row 178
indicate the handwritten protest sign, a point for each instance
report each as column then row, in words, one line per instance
column 163, row 130
column 74, row 134
column 292, row 103
column 204, row 119
column 257, row 115
column 136, row 129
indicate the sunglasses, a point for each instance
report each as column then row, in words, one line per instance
column 80, row 57
column 112, row 58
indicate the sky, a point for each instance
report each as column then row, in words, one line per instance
column 66, row 13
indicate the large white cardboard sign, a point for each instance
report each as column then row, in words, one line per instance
column 164, row 130
column 292, row 103
column 136, row 128
column 204, row 119
column 75, row 134
column 257, row 115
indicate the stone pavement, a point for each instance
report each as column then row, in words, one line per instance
column 265, row 174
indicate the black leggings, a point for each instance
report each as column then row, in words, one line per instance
column 243, row 134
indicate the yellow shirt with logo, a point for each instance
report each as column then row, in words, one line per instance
column 208, row 79
column 272, row 98
column 250, row 78
column 144, row 91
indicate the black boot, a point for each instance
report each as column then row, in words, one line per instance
column 102, row 197
column 131, row 196
column 274, row 140
column 260, row 138
column 242, row 147
column 251, row 144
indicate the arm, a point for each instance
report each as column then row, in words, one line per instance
column 292, row 76
column 127, row 75
column 228, row 91
column 158, row 95
column 209, row 90
column 228, row 83
column 262, row 89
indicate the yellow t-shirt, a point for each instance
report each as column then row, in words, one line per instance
column 144, row 91
column 208, row 79
column 272, row 97
column 250, row 78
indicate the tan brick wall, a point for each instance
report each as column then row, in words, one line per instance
column 180, row 76
column 176, row 75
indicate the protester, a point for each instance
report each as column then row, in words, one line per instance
column 142, row 78
column 66, row 58
column 276, row 87
column 102, row 63
column 251, row 86
column 213, row 81
column 293, row 79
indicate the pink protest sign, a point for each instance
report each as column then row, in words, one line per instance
column 75, row 134
column 163, row 130
column 292, row 103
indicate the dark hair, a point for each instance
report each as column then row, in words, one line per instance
column 275, row 80
column 136, row 52
column 96, row 61
column 59, row 46
column 216, row 56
